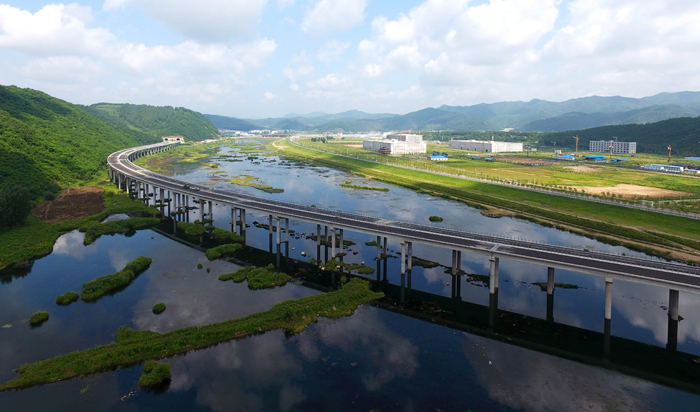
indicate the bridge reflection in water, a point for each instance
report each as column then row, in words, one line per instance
column 663, row 365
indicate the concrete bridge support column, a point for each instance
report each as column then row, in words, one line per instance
column 379, row 248
column 170, row 201
column 332, row 242
column 493, row 275
column 386, row 250
column 211, row 212
column 410, row 267
column 270, row 225
column 279, row 232
column 403, row 271
column 286, row 230
column 340, row 246
column 318, row 242
column 242, row 212
column 673, row 300
column 234, row 229
column 550, row 294
column 162, row 202
column 608, row 298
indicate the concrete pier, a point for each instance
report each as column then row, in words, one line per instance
column 493, row 275
column 332, row 242
column 608, row 298
column 673, row 300
column 379, row 248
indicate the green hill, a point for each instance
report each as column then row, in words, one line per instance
column 683, row 134
column 156, row 121
column 47, row 144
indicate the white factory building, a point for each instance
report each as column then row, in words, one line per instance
column 489, row 146
column 618, row 147
column 399, row 144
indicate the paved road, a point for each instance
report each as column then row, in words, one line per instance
column 667, row 274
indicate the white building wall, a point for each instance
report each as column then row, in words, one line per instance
column 618, row 147
column 486, row 146
column 395, row 146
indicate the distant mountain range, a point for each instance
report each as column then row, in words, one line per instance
column 535, row 115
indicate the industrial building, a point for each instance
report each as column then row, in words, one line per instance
column 399, row 144
column 664, row 168
column 489, row 146
column 617, row 147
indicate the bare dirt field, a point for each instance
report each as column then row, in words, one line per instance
column 582, row 169
column 629, row 191
column 71, row 203
column 355, row 145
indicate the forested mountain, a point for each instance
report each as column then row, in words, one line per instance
column 47, row 144
column 535, row 115
column 155, row 120
column 683, row 134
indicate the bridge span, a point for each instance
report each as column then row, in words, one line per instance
column 179, row 194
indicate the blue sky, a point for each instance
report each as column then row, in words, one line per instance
column 267, row 58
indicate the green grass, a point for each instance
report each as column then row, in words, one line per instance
column 97, row 287
column 613, row 220
column 67, row 298
column 224, row 236
column 258, row 278
column 222, row 250
column 37, row 238
column 155, row 374
column 159, row 308
column 95, row 230
column 435, row 219
column 39, row 317
column 132, row 346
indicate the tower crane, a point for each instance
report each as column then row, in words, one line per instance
column 576, row 137
column 611, row 149
column 669, row 153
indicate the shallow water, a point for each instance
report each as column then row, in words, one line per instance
column 376, row 359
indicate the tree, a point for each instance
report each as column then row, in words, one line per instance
column 15, row 206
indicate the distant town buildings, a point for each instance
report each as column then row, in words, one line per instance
column 617, row 147
column 402, row 143
column 489, row 146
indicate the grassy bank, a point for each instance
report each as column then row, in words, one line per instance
column 258, row 278
column 137, row 346
column 618, row 221
column 37, row 238
column 95, row 230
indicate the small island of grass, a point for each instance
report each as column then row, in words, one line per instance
column 94, row 289
column 39, row 318
column 435, row 219
column 223, row 250
column 95, row 230
column 67, row 298
column 351, row 186
column 155, row 374
column 258, row 278
column 159, row 308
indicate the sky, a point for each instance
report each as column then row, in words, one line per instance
column 268, row 58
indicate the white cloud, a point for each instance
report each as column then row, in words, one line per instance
column 331, row 51
column 110, row 5
column 56, row 29
column 333, row 16
column 282, row 4
column 205, row 20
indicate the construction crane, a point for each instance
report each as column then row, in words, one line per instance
column 576, row 137
column 669, row 153
column 611, row 149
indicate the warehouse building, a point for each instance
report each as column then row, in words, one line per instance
column 618, row 147
column 489, row 146
column 398, row 144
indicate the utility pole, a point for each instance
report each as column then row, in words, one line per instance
column 669, row 153
column 576, row 137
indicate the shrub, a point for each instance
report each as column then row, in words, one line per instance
column 154, row 374
column 365, row 270
column 199, row 266
column 435, row 219
column 94, row 289
column 224, row 236
column 159, row 308
column 38, row 318
column 67, row 298
column 217, row 252
column 15, row 205
column 191, row 229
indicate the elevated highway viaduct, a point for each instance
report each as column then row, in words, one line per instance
column 180, row 195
